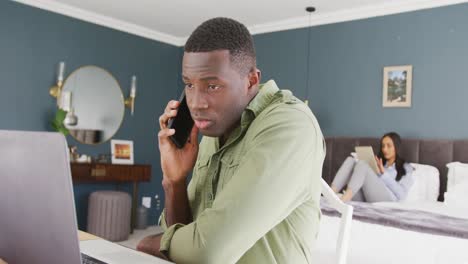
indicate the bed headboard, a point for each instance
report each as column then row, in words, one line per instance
column 425, row 151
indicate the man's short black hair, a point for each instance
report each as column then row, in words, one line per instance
column 224, row 34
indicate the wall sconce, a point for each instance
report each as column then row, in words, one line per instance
column 130, row 101
column 66, row 104
column 71, row 119
column 56, row 90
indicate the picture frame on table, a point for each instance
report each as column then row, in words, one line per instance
column 122, row 151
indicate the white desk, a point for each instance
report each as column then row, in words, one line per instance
column 113, row 253
column 83, row 236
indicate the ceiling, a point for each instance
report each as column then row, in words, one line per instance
column 173, row 21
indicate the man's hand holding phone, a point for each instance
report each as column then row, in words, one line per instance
column 176, row 163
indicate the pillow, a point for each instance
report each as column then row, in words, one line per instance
column 457, row 173
column 458, row 195
column 426, row 183
column 457, row 184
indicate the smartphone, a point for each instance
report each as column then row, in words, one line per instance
column 182, row 123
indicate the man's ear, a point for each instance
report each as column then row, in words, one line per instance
column 254, row 78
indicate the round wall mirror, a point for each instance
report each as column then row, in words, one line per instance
column 95, row 103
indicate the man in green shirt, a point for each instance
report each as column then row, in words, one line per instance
column 255, row 188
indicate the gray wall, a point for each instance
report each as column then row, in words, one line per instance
column 33, row 41
column 346, row 65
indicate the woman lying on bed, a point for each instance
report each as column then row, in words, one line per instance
column 392, row 183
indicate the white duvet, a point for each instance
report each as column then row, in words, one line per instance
column 376, row 244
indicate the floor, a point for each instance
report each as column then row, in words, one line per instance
column 139, row 234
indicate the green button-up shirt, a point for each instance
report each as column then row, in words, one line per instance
column 256, row 198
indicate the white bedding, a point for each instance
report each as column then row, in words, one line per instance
column 376, row 244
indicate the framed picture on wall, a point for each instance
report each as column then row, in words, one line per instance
column 397, row 86
column 122, row 151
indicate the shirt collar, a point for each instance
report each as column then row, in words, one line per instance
column 264, row 97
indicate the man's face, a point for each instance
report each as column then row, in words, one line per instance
column 216, row 92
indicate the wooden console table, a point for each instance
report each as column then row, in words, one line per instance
column 111, row 173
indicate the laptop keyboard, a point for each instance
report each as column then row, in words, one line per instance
column 90, row 260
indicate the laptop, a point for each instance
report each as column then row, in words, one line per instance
column 366, row 153
column 37, row 210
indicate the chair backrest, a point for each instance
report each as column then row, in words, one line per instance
column 345, row 223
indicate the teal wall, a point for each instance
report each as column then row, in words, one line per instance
column 346, row 69
column 33, row 41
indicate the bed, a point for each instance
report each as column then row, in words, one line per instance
column 373, row 239
column 373, row 243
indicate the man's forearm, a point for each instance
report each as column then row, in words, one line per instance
column 150, row 245
column 176, row 204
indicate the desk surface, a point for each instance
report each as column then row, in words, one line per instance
column 83, row 236
column 113, row 253
column 107, row 246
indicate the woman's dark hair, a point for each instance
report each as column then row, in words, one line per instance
column 399, row 161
